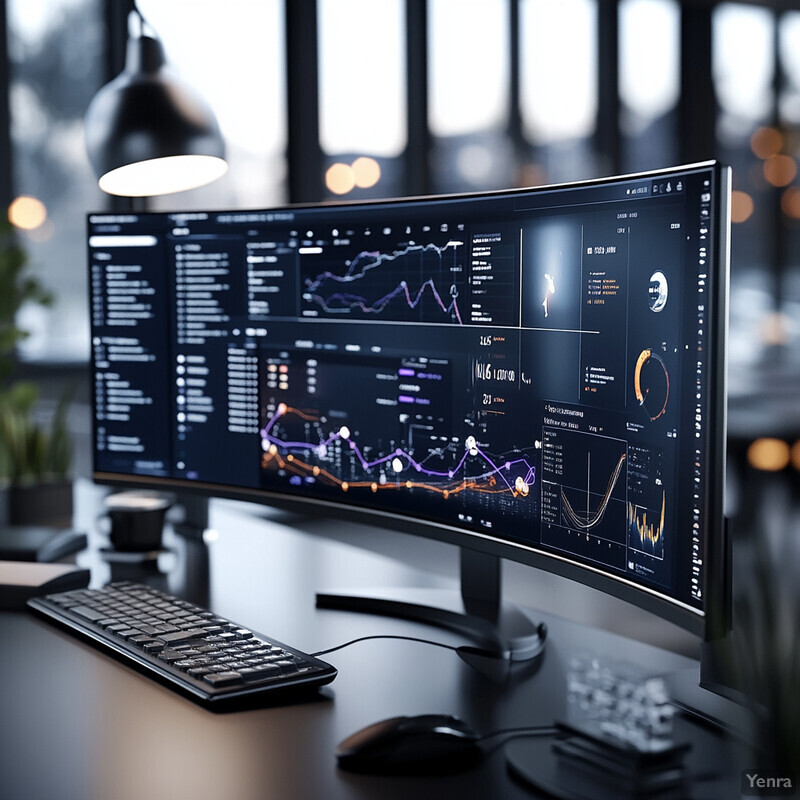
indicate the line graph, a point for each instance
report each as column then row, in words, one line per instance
column 351, row 301
column 647, row 501
column 335, row 458
column 589, row 519
column 646, row 528
column 584, row 488
column 405, row 282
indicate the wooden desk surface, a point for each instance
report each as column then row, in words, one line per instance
column 77, row 725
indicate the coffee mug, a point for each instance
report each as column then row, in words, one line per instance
column 136, row 520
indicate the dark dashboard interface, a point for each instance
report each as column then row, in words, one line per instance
column 530, row 367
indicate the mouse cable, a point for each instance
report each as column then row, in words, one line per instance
column 510, row 733
column 528, row 730
column 383, row 636
column 517, row 733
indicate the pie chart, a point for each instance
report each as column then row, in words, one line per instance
column 657, row 291
column 651, row 383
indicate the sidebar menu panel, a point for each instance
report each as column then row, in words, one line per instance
column 130, row 297
column 211, row 360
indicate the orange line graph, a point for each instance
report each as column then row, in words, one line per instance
column 648, row 531
column 294, row 464
column 276, row 457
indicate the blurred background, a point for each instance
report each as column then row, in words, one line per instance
column 352, row 99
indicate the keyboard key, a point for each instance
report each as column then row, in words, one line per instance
column 186, row 663
column 166, row 628
column 212, row 628
column 88, row 613
column 198, row 672
column 151, row 630
column 223, row 678
column 182, row 636
column 118, row 626
column 259, row 673
column 170, row 656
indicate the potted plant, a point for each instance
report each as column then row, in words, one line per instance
column 35, row 454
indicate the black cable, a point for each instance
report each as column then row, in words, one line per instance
column 512, row 733
column 517, row 733
column 530, row 730
column 383, row 636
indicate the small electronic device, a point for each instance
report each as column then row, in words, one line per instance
column 39, row 543
column 21, row 580
column 426, row 744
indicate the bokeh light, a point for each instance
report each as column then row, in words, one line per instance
column 741, row 206
column 766, row 142
column 790, row 202
column 796, row 455
column 769, row 455
column 366, row 172
column 340, row 178
column 774, row 329
column 531, row 174
column 27, row 213
column 780, row 170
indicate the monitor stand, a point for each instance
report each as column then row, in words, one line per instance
column 708, row 691
column 194, row 522
column 478, row 612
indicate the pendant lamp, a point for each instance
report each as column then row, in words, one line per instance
column 148, row 132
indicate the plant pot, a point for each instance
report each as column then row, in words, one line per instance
column 48, row 504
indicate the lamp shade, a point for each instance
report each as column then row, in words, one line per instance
column 149, row 133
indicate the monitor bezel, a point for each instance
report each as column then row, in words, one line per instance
column 709, row 623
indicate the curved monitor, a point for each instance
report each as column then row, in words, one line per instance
column 535, row 374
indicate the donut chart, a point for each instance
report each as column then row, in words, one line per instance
column 658, row 291
column 651, row 383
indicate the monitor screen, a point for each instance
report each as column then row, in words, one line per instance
column 534, row 373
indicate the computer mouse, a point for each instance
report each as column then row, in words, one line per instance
column 426, row 744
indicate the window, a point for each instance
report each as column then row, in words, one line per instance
column 558, row 85
column 513, row 93
column 789, row 116
column 362, row 107
column 649, row 82
column 234, row 54
column 52, row 79
column 743, row 62
column 468, row 94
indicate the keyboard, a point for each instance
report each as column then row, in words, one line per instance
column 186, row 647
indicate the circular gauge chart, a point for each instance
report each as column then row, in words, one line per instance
column 651, row 383
column 657, row 291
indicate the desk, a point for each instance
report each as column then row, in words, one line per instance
column 77, row 725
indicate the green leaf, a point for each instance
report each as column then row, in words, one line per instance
column 17, row 287
column 30, row 451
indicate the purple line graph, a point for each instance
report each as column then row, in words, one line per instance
column 349, row 301
column 514, row 475
column 393, row 286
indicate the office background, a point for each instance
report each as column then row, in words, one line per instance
column 326, row 99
